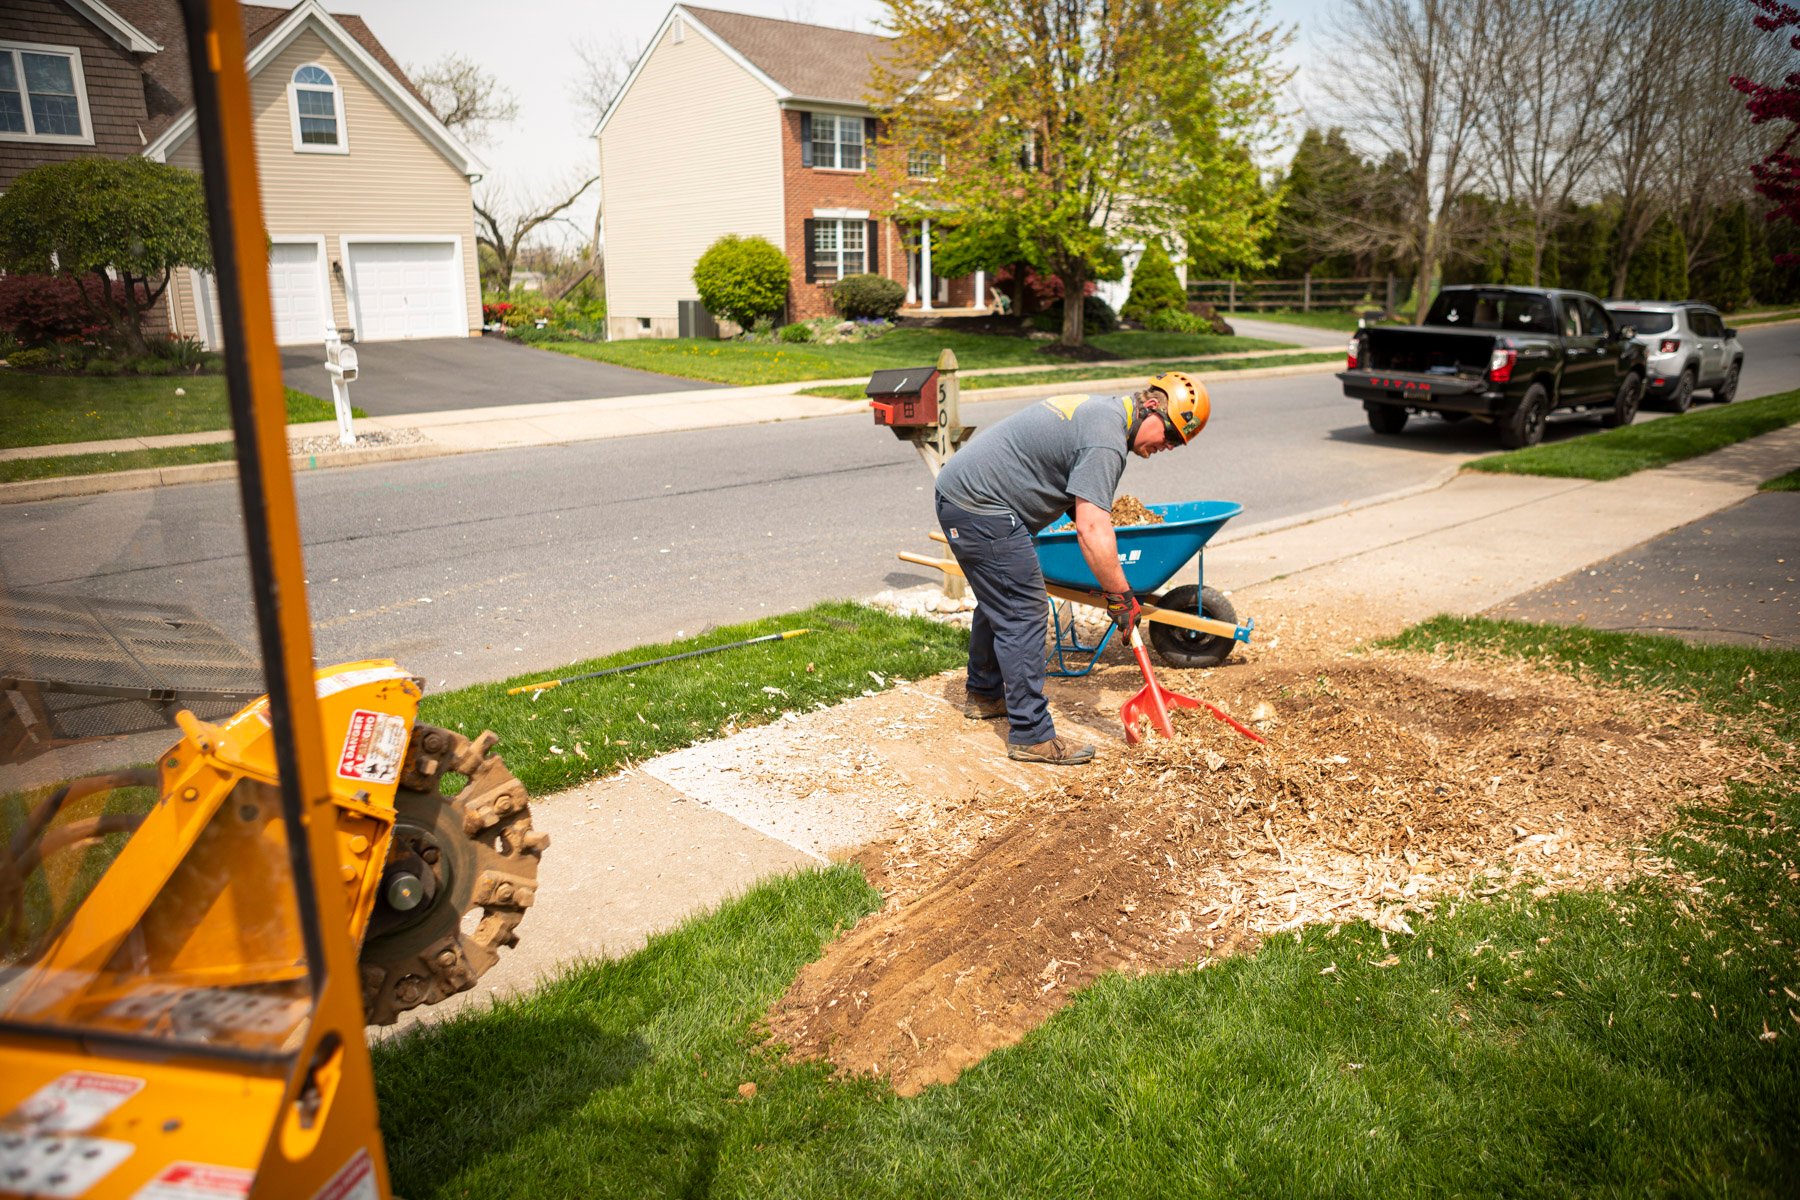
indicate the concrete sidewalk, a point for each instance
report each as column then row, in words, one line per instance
column 641, row 852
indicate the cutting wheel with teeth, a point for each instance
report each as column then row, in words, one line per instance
column 461, row 872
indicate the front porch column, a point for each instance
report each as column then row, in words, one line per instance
column 980, row 290
column 912, row 273
column 925, row 266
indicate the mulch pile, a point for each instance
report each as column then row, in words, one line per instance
column 1129, row 510
column 1392, row 784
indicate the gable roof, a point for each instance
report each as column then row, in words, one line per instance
column 811, row 62
column 115, row 26
column 168, row 89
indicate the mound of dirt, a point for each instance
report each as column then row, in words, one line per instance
column 1129, row 510
column 1391, row 784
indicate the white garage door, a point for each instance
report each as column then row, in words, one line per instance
column 406, row 290
column 294, row 288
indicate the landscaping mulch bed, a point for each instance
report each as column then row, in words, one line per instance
column 1392, row 784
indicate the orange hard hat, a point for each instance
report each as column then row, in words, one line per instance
column 1187, row 407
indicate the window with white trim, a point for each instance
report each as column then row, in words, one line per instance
column 837, row 142
column 42, row 94
column 318, row 110
column 840, row 247
column 924, row 164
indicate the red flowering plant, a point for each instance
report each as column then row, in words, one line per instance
column 1778, row 174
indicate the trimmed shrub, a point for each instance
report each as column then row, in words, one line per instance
column 867, row 296
column 743, row 279
column 38, row 359
column 153, row 366
column 1154, row 286
column 103, row 366
column 799, row 331
column 1176, row 320
column 42, row 308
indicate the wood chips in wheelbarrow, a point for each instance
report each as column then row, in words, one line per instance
column 1391, row 785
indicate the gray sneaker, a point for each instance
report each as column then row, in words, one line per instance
column 984, row 708
column 1056, row 752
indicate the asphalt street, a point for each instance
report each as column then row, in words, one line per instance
column 486, row 565
column 443, row 374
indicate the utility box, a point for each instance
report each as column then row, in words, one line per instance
column 906, row 397
column 693, row 321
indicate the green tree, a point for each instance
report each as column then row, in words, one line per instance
column 1729, row 259
column 126, row 223
column 743, row 279
column 1325, row 182
column 1658, row 270
column 1154, row 286
column 1070, row 126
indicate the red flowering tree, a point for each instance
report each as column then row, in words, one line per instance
column 1778, row 174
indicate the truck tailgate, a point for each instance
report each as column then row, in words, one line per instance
column 1405, row 386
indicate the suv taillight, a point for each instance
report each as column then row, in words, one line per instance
column 1350, row 356
column 1668, row 345
column 1500, row 366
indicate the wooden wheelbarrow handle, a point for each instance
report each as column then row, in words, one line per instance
column 1167, row 616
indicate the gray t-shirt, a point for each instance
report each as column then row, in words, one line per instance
column 1039, row 461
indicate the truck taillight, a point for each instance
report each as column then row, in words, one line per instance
column 1668, row 345
column 1500, row 366
column 1350, row 356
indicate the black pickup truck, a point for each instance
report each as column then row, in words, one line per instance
column 1504, row 355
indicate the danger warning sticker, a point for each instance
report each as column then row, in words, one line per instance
column 373, row 746
column 76, row 1102
column 355, row 1181
column 197, row 1181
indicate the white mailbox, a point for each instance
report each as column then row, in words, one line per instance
column 340, row 364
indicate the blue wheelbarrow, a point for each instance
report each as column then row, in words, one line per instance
column 1190, row 626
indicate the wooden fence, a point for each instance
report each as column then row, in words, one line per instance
column 1304, row 294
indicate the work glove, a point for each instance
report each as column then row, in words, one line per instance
column 1124, row 610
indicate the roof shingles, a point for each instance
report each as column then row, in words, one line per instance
column 811, row 61
column 168, row 91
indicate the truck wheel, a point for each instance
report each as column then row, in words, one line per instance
column 1682, row 398
column 1523, row 424
column 1726, row 392
column 1625, row 403
column 1188, row 648
column 1386, row 418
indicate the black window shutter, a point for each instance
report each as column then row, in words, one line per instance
column 868, row 143
column 872, row 262
column 806, row 158
column 812, row 266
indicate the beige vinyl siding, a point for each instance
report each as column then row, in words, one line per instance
column 393, row 181
column 693, row 152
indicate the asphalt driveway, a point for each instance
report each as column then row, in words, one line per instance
column 442, row 374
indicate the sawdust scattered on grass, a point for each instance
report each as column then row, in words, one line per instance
column 1392, row 784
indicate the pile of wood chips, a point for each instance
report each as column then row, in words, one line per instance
column 1391, row 785
column 1129, row 510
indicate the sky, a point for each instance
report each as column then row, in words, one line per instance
column 529, row 45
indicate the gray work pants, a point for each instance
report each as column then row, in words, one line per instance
column 1006, row 640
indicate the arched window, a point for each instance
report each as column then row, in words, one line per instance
column 317, row 105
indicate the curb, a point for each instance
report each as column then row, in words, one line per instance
column 65, row 487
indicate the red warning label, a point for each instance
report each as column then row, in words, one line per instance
column 373, row 746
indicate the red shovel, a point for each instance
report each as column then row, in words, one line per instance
column 1153, row 702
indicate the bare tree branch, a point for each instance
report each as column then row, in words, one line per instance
column 604, row 68
column 464, row 96
column 503, row 222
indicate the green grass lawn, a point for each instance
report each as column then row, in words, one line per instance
column 976, row 383
column 1782, row 483
column 46, row 410
column 1343, row 322
column 752, row 363
column 57, row 466
column 1619, row 452
column 582, row 730
column 1739, row 320
column 1581, row 1044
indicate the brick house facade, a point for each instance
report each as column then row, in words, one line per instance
column 783, row 149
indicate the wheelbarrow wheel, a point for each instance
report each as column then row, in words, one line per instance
column 1188, row 648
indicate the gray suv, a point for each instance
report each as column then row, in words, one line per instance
column 1689, row 347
